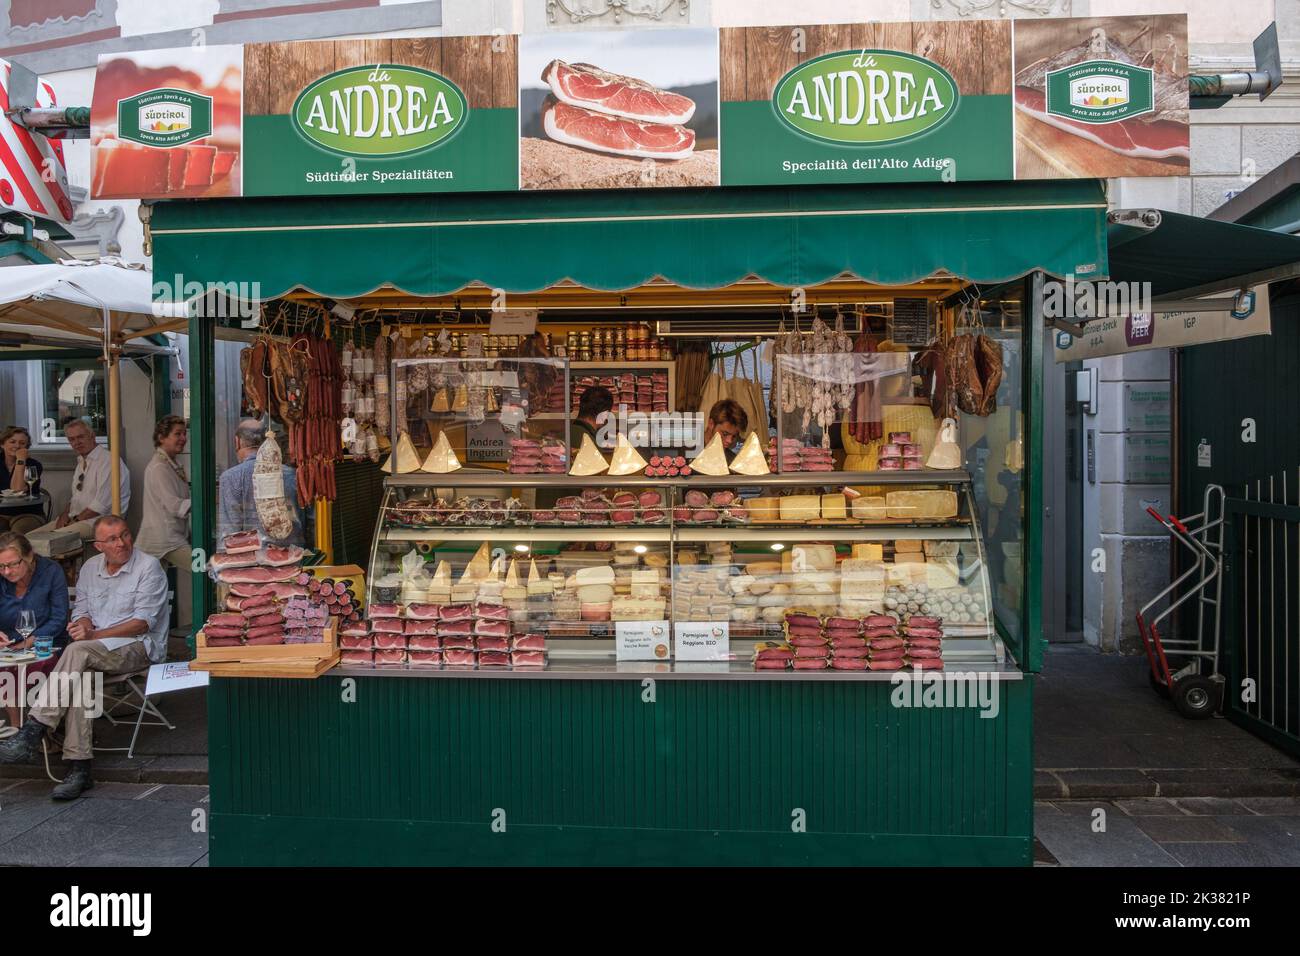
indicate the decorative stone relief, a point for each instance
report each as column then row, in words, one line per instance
column 949, row 9
column 618, row 12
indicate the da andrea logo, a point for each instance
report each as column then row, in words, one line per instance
column 379, row 110
column 164, row 117
column 1100, row 91
column 866, row 97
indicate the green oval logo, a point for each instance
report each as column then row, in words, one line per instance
column 865, row 97
column 379, row 110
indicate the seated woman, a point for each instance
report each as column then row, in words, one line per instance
column 15, row 442
column 37, row 584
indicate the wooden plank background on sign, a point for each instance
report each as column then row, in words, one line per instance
column 275, row 73
column 976, row 53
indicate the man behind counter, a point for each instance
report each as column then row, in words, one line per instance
column 595, row 401
column 730, row 421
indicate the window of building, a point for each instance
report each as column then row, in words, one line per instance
column 64, row 389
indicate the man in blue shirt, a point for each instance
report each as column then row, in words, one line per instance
column 236, row 507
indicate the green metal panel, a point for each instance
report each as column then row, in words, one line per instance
column 588, row 771
column 203, row 462
column 1032, row 620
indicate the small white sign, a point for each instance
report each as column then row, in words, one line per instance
column 513, row 322
column 1203, row 454
column 641, row 641
column 702, row 640
column 164, row 678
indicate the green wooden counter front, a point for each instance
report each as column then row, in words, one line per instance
column 585, row 772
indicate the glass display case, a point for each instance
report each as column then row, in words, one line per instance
column 570, row 559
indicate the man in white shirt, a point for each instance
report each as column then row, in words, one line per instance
column 92, row 485
column 119, row 625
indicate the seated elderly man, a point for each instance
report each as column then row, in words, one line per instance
column 119, row 625
column 92, row 485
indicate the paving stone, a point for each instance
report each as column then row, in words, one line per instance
column 1044, row 806
column 1070, row 838
column 1106, row 783
column 1237, row 782
column 1046, row 785
column 1187, row 829
column 1279, row 837
column 1219, row 854
column 1149, row 806
column 64, row 840
column 1084, row 807
column 1042, row 856
column 20, row 814
column 1272, row 806
column 1212, row 806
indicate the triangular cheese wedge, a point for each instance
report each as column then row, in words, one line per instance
column 626, row 460
column 478, row 566
column 494, row 573
column 533, row 574
column 442, row 459
column 589, row 460
column 442, row 576
column 711, row 461
column 408, row 459
column 751, row 460
column 512, row 575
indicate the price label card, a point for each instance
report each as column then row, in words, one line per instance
column 513, row 322
column 641, row 641
column 702, row 640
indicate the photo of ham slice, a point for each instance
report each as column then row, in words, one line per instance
column 576, row 126
column 590, row 87
column 1133, row 137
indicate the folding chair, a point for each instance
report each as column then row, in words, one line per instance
column 127, row 690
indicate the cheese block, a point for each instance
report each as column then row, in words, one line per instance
column 812, row 557
column 861, row 589
column 908, row 557
column 773, row 615
column 599, row 574
column 588, row 461
column 441, row 459
column 464, row 593
column 644, row 591
column 941, row 574
column 635, row 609
column 744, row 599
column 803, row 587
column 685, row 557
column 713, row 460
column 490, row 592
column 408, row 459
column 655, row 559
column 869, row 508
column 764, row 509
column 514, row 592
column 744, row 615
column 763, row 567
column 780, row 589
column 760, row 586
column 626, row 558
column 437, row 594
column 740, row 582
column 801, row 508
column 750, row 460
column 773, row 600
column 834, row 506
column 647, row 576
column 905, row 573
column 906, row 546
column 862, row 569
column 921, row 504
column 942, row 549
column 869, row 552
column 626, row 460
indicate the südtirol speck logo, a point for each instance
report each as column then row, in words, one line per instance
column 1100, row 91
column 164, row 117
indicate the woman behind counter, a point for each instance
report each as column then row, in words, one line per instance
column 16, row 441
column 29, row 582
column 165, row 524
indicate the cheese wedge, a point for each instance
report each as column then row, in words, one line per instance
column 626, row 460
column 533, row 574
column 815, row 557
column 408, row 459
column 478, row 567
column 750, row 460
column 921, row 504
column 834, row 506
column 905, row 546
column 441, row 459
column 713, row 460
column 869, row 552
column 512, row 575
column 941, row 574
column 909, row 557
column 589, row 461
column 655, row 559
column 801, row 508
column 764, row 509
column 595, row 593
column 442, row 576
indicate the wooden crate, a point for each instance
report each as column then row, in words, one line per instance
column 268, row 653
column 293, row 669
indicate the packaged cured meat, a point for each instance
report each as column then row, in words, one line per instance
column 917, row 620
column 355, row 630
column 225, row 620
column 892, row 654
column 915, row 632
column 854, row 641
column 462, row 628
column 271, row 636
column 872, row 633
column 653, row 515
column 696, row 498
column 839, row 652
column 772, row 664
column 462, row 642
column 932, row 643
column 844, row 623
column 384, row 610
column 457, row 657
column 385, row 641
column 492, row 612
column 240, row 541
column 454, row 612
column 895, row 664
column 213, row 641
column 492, row 644
column 357, row 658
column 265, row 620
column 802, row 620
column 388, row 625
column 527, row 659
column 923, row 653
column 493, row 628
column 682, row 514
column 390, row 658
column 416, row 658
column 704, row 516
column 813, row 664
column 350, row 643
column 720, row 499
column 879, row 620
column 801, row 651
column 493, row 659
column 649, row 499
column 423, row 612
column 836, row 634
column 885, row 643
column 423, row 642
column 421, row 627
column 528, row 642
column 226, row 559
column 850, row 663
column 215, row 631
column 810, row 640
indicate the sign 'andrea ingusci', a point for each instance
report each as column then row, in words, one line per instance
column 866, row 97
column 379, row 110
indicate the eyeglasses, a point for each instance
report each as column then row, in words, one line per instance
column 13, row 564
column 115, row 539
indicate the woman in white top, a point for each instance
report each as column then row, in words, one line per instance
column 164, row 527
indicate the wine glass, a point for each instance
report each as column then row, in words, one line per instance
column 26, row 622
column 31, row 476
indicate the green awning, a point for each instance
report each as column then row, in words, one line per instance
column 1190, row 256
column 523, row 242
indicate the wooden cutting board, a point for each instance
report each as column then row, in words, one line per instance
column 1045, row 152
